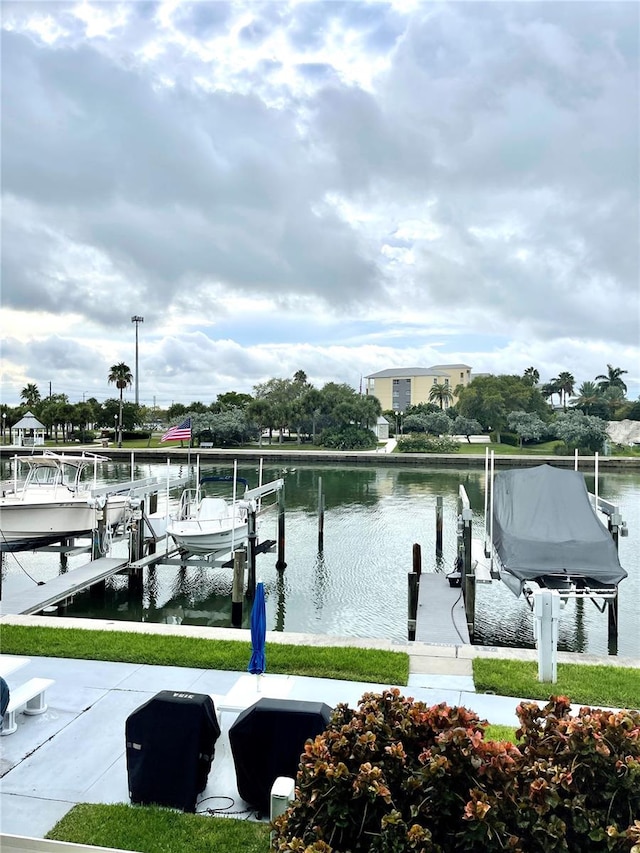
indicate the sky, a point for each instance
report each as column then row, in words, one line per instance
column 334, row 187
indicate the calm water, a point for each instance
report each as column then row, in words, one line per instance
column 357, row 585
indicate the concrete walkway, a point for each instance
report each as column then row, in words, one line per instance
column 75, row 752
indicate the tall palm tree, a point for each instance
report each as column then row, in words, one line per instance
column 612, row 379
column 120, row 374
column 531, row 375
column 30, row 394
column 441, row 393
column 589, row 397
column 550, row 388
column 566, row 384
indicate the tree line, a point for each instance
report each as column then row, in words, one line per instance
column 336, row 416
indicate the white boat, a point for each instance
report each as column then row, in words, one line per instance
column 206, row 525
column 55, row 501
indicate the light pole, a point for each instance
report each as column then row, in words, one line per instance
column 115, row 430
column 4, row 423
column 137, row 320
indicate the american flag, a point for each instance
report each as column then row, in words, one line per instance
column 179, row 433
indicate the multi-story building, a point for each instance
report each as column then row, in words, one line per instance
column 399, row 387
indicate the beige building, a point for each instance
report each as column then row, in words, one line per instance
column 400, row 387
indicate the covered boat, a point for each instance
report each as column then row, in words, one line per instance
column 546, row 531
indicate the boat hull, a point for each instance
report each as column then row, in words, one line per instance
column 25, row 525
column 201, row 538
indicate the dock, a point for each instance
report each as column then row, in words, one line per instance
column 63, row 586
column 441, row 618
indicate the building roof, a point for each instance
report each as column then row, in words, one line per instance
column 436, row 370
column 28, row 421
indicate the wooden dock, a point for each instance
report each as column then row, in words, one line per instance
column 63, row 586
column 441, row 618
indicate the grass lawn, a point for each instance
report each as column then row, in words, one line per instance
column 344, row 663
column 150, row 829
column 584, row 684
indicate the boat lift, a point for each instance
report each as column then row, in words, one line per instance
column 547, row 595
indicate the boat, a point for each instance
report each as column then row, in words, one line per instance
column 545, row 533
column 206, row 525
column 55, row 501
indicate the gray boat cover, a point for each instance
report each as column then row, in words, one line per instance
column 544, row 526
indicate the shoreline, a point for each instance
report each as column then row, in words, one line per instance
column 363, row 457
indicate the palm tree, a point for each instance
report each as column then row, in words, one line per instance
column 566, row 384
column 531, row 375
column 30, row 394
column 120, row 374
column 612, row 379
column 590, row 396
column 550, row 388
column 441, row 392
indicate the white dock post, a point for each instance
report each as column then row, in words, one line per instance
column 546, row 612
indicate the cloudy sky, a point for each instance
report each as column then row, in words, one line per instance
column 334, row 187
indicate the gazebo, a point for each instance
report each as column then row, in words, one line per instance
column 382, row 428
column 28, row 432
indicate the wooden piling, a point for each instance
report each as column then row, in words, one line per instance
column 280, row 563
column 64, row 557
column 251, row 552
column 153, row 507
column 417, row 559
column 413, row 585
column 99, row 534
column 612, row 625
column 320, row 515
column 237, row 590
column 439, row 526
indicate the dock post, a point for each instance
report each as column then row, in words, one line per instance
column 237, row 589
column 439, row 526
column 320, row 515
column 417, row 558
column 612, row 625
column 64, row 557
column 153, row 507
column 251, row 551
column 414, row 581
column 98, row 536
column 280, row 563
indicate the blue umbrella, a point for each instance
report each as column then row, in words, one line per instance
column 257, row 664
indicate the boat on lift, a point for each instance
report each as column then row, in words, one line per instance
column 56, row 500
column 211, row 524
column 545, row 532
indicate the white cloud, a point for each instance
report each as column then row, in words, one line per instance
column 333, row 187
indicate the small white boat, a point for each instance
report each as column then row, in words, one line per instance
column 211, row 524
column 54, row 501
column 207, row 525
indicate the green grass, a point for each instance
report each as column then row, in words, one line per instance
column 150, row 829
column 347, row 664
column 495, row 732
column 584, row 684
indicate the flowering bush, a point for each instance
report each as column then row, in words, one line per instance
column 395, row 775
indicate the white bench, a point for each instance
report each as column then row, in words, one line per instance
column 25, row 844
column 206, row 444
column 29, row 696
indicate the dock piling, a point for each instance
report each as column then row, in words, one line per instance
column 237, row 589
column 320, row 515
column 280, row 562
column 439, row 526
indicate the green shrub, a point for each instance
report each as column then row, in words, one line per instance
column 394, row 775
column 348, row 438
column 423, row 443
